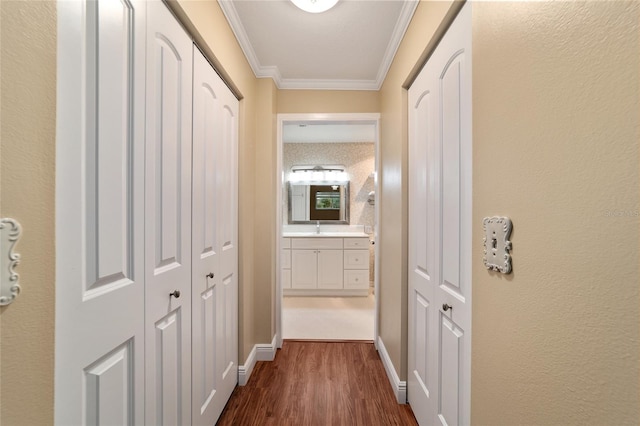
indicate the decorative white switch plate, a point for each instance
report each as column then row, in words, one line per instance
column 9, row 235
column 497, row 246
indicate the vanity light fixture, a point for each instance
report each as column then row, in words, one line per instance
column 314, row 6
column 325, row 174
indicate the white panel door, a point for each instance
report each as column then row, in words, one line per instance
column 214, row 298
column 168, row 220
column 227, row 225
column 99, row 359
column 440, row 231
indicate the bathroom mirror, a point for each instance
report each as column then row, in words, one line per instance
column 327, row 202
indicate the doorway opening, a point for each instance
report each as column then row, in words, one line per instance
column 327, row 270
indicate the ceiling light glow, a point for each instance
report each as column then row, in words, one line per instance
column 315, row 6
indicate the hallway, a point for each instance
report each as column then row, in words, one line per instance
column 318, row 383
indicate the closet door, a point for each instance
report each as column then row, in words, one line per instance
column 99, row 347
column 227, row 225
column 214, row 297
column 440, row 153
column 168, row 220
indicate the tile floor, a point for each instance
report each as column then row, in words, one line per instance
column 328, row 318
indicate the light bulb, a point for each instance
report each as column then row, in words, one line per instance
column 315, row 6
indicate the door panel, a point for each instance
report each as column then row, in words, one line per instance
column 168, row 338
column 99, row 362
column 214, row 284
column 423, row 243
column 451, row 361
column 440, row 231
column 168, row 219
column 421, row 350
column 450, row 184
column 229, row 367
column 107, row 388
column 207, row 138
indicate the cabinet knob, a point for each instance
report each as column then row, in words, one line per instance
column 446, row 307
column 210, row 275
column 175, row 293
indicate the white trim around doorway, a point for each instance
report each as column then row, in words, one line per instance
column 364, row 118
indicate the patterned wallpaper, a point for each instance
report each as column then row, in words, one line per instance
column 359, row 162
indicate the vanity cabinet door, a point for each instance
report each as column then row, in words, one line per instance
column 286, row 278
column 286, row 265
column 330, row 263
column 304, row 269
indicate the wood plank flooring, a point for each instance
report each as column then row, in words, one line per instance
column 318, row 383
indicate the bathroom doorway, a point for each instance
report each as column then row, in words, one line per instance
column 327, row 274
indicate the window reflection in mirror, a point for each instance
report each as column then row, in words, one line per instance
column 309, row 203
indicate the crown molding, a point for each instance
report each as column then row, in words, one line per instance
column 230, row 12
column 272, row 71
column 317, row 84
column 408, row 9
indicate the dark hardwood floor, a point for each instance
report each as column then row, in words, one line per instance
column 318, row 383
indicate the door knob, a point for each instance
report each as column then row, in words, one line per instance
column 175, row 293
column 210, row 275
column 446, row 307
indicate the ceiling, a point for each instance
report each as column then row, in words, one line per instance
column 349, row 47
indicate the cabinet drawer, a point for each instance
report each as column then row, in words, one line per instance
column 356, row 279
column 286, row 243
column 356, row 259
column 316, row 243
column 286, row 259
column 286, row 278
column 356, row 243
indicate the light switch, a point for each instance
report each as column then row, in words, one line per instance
column 497, row 246
column 10, row 232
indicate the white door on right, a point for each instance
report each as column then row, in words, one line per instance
column 440, row 183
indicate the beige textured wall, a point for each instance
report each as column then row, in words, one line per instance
column 393, row 191
column 555, row 135
column 206, row 20
column 265, row 211
column 27, row 147
column 328, row 101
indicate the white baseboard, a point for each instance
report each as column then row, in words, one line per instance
column 260, row 352
column 266, row 352
column 399, row 386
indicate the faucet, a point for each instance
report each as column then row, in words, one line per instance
column 317, row 227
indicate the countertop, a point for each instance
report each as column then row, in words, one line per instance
column 325, row 234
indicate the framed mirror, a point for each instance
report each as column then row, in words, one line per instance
column 327, row 202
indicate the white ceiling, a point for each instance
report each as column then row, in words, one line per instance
column 349, row 47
